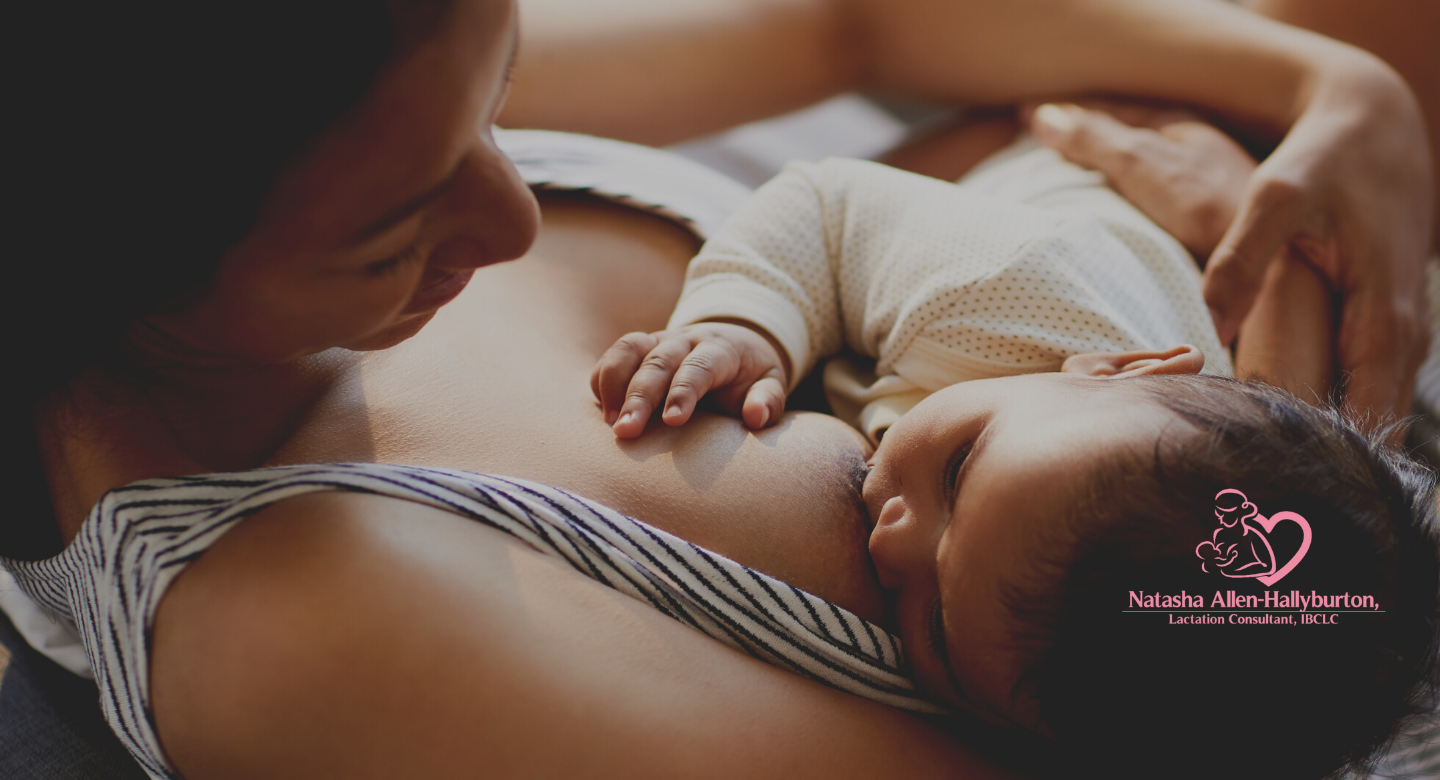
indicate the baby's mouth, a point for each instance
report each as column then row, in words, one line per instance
column 871, row 494
column 865, row 491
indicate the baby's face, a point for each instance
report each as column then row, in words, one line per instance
column 961, row 492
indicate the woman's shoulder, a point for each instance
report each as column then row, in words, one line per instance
column 695, row 196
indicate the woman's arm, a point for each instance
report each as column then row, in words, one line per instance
column 1349, row 185
column 1401, row 32
column 1187, row 177
column 662, row 71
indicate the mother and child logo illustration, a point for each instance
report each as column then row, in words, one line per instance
column 1240, row 547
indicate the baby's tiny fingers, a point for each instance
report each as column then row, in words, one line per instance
column 649, row 385
column 612, row 374
column 764, row 403
column 707, row 366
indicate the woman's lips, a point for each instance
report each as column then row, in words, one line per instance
column 439, row 292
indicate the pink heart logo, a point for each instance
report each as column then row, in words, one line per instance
column 1269, row 523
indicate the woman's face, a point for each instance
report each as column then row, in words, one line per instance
column 963, row 490
column 385, row 215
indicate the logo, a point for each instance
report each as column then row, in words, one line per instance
column 1240, row 547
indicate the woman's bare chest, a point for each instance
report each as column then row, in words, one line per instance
column 499, row 383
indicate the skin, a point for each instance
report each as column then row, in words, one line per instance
column 944, row 554
column 332, row 261
column 947, row 542
column 1189, row 178
column 1338, row 187
column 1402, row 32
column 291, row 639
column 278, row 621
column 738, row 363
column 232, row 372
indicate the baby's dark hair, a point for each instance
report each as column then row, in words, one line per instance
column 1137, row 695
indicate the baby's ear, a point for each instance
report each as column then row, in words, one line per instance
column 1183, row 359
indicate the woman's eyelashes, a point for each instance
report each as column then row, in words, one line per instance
column 391, row 265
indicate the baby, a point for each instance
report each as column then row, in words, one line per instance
column 1045, row 531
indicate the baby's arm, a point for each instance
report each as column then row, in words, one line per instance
column 843, row 252
column 758, row 308
column 742, row 363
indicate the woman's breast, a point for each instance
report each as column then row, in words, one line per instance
column 499, row 383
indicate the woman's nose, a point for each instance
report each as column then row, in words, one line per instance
column 488, row 214
column 896, row 544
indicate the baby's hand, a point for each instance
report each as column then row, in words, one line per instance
column 744, row 368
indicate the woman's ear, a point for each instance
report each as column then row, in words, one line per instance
column 1183, row 359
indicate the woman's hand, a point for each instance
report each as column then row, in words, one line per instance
column 1184, row 174
column 1190, row 178
column 741, row 365
column 1334, row 193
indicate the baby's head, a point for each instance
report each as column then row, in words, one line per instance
column 1016, row 518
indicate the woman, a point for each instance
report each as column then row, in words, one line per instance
column 303, row 620
column 738, row 63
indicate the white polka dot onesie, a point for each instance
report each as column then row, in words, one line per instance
column 1026, row 261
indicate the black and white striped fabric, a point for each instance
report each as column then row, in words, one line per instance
column 109, row 581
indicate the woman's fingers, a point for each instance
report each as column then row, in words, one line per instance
column 1186, row 176
column 611, row 378
column 1091, row 139
column 1265, row 225
column 1380, row 345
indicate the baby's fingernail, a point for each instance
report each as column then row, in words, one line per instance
column 1054, row 117
column 626, row 417
column 764, row 418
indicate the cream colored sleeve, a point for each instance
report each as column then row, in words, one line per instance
column 771, row 265
column 812, row 258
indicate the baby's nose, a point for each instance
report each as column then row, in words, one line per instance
column 890, row 543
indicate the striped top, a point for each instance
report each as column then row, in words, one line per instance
column 138, row 538
column 664, row 184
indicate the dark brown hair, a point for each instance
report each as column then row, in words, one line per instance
column 1136, row 696
column 141, row 140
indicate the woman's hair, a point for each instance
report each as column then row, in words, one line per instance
column 143, row 139
column 1144, row 697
